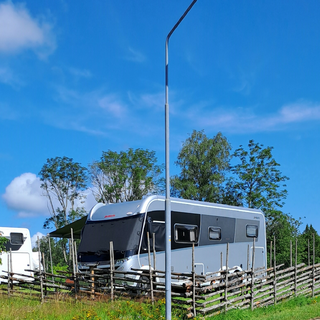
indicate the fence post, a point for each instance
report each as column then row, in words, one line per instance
column 154, row 251
column 150, row 269
column 44, row 273
column 295, row 269
column 290, row 253
column 313, row 262
column 252, row 273
column 91, row 268
column 193, row 284
column 270, row 254
column 9, row 272
column 76, row 286
column 74, row 276
column 111, row 268
column 226, row 282
column 274, row 271
column 50, row 254
column 40, row 271
column 221, row 265
column 72, row 253
column 308, row 252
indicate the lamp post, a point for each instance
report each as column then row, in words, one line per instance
column 167, row 174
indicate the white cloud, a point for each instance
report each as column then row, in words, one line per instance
column 247, row 120
column 18, row 31
column 153, row 101
column 94, row 112
column 35, row 237
column 25, row 196
column 92, row 102
column 301, row 111
column 113, row 106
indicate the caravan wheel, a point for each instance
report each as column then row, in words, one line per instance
column 143, row 285
column 235, row 282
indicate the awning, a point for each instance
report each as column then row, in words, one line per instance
column 65, row 232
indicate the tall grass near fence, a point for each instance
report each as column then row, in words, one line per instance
column 203, row 295
column 28, row 308
column 213, row 293
column 301, row 308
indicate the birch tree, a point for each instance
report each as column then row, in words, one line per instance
column 63, row 181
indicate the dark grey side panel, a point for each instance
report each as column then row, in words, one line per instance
column 241, row 228
column 177, row 218
column 227, row 226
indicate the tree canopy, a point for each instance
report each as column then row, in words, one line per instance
column 305, row 242
column 62, row 181
column 3, row 241
column 260, row 182
column 261, row 185
column 126, row 176
column 203, row 162
column 249, row 177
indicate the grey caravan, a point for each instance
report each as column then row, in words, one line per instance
column 209, row 226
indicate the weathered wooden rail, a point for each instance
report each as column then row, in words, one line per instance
column 214, row 293
column 208, row 294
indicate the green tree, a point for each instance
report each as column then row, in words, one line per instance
column 283, row 229
column 58, row 256
column 62, row 182
column 259, row 181
column 126, row 176
column 305, row 239
column 261, row 185
column 204, row 163
column 3, row 241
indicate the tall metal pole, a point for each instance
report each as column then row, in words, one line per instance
column 167, row 201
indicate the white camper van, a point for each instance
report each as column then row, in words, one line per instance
column 208, row 226
column 19, row 242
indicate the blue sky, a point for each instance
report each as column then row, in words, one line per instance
column 81, row 77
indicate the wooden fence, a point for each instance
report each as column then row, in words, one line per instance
column 208, row 294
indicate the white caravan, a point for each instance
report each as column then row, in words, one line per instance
column 19, row 242
column 208, row 226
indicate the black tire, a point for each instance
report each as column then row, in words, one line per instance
column 234, row 277
column 143, row 287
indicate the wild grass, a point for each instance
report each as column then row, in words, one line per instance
column 66, row 307
column 300, row 308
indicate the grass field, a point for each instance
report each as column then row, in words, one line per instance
column 67, row 308
column 300, row 308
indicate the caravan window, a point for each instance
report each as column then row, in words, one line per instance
column 252, row 231
column 16, row 238
column 184, row 233
column 214, row 233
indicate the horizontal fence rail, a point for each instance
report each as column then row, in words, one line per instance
column 220, row 291
column 209, row 294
